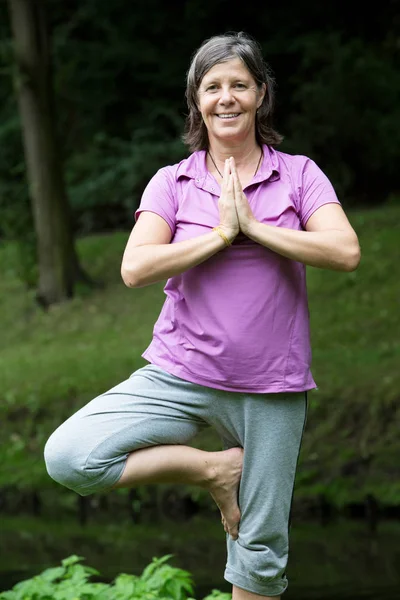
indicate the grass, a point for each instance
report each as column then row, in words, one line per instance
column 52, row 363
column 355, row 321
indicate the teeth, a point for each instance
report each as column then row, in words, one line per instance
column 228, row 116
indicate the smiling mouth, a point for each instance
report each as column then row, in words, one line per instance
column 227, row 116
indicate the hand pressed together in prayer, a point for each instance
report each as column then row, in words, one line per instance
column 235, row 212
column 243, row 210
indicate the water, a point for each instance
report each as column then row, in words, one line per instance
column 340, row 561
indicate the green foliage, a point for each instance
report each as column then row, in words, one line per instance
column 217, row 595
column 16, row 221
column 346, row 115
column 119, row 102
column 105, row 180
column 71, row 581
column 119, row 96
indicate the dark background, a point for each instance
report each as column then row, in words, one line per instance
column 119, row 80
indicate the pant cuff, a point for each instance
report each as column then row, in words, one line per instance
column 267, row 588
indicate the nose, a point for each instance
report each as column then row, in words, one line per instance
column 226, row 96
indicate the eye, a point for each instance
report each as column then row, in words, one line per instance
column 240, row 86
column 211, row 88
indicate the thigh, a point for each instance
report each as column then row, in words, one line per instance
column 147, row 409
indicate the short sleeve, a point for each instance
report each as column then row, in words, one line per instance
column 159, row 197
column 315, row 191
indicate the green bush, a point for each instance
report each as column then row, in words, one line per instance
column 70, row 581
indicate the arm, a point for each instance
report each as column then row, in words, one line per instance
column 149, row 256
column 329, row 241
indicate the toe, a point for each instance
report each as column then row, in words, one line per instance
column 234, row 531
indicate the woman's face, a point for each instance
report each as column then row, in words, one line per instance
column 228, row 98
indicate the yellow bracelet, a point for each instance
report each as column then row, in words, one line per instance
column 221, row 233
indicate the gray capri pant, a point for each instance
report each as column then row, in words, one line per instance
column 87, row 454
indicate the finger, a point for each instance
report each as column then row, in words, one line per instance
column 236, row 180
column 234, row 532
column 230, row 184
column 232, row 165
column 237, row 186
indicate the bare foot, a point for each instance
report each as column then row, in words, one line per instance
column 226, row 471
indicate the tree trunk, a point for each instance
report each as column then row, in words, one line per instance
column 57, row 259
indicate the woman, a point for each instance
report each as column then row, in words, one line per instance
column 231, row 228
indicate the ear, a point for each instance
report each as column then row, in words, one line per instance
column 261, row 94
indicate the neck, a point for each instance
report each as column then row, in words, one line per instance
column 244, row 154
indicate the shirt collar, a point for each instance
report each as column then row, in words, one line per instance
column 269, row 169
column 194, row 167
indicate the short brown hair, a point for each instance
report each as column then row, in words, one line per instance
column 218, row 49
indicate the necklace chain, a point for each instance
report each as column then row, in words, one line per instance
column 219, row 172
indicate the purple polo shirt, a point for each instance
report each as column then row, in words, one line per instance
column 239, row 321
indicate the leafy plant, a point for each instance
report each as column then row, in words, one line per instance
column 217, row 595
column 70, row 581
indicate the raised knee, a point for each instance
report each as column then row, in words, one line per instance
column 64, row 463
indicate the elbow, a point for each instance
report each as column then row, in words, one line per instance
column 352, row 259
column 130, row 277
